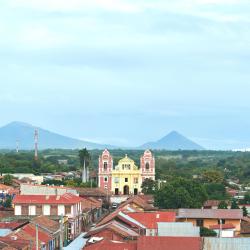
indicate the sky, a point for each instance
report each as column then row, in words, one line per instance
column 125, row 72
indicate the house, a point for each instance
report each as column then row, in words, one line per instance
column 92, row 209
column 224, row 230
column 149, row 243
column 33, row 178
column 211, row 204
column 211, row 217
column 97, row 193
column 52, row 227
column 55, row 206
column 31, row 189
column 150, row 220
column 138, row 203
column 113, row 231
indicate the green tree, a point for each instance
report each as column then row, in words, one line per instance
column 216, row 191
column 247, row 198
column 84, row 157
column 234, row 204
column 7, row 179
column 180, row 193
column 222, row 205
column 206, row 232
column 212, row 176
column 149, row 186
column 245, row 212
column 8, row 202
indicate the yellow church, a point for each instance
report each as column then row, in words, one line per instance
column 125, row 178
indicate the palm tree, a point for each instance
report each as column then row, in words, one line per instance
column 84, row 162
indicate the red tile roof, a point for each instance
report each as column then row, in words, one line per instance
column 42, row 236
column 111, row 245
column 138, row 201
column 234, row 214
column 212, row 203
column 150, row 219
column 14, row 243
column 223, row 226
column 168, row 243
column 45, row 222
column 47, row 199
column 11, row 225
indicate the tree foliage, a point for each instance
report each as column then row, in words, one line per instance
column 234, row 204
column 181, row 193
column 223, row 205
column 149, row 186
column 206, row 232
column 7, row 179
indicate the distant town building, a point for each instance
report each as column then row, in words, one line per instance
column 126, row 178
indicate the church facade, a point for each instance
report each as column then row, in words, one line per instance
column 125, row 178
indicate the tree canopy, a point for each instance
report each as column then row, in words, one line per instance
column 181, row 193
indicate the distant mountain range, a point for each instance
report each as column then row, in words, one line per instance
column 173, row 141
column 24, row 134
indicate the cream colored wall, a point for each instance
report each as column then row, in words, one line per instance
column 212, row 222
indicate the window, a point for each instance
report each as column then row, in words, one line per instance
column 105, row 166
column 147, row 166
column 126, row 179
column 222, row 221
column 116, row 180
column 136, row 180
column 199, row 223
column 105, row 179
column 68, row 209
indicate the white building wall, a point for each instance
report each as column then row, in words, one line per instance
column 61, row 210
column 32, row 210
column 46, row 209
column 18, row 210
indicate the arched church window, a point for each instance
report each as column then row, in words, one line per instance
column 147, row 166
column 105, row 166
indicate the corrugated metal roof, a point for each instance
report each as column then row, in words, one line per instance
column 178, row 229
column 226, row 244
column 210, row 213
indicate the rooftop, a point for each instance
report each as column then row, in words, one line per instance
column 168, row 243
column 66, row 198
column 150, row 219
column 210, row 213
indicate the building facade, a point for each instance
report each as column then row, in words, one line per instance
column 125, row 178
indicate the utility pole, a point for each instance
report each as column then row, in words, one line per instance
column 61, row 232
column 37, row 242
column 36, row 144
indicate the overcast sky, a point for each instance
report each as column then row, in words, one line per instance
column 126, row 72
